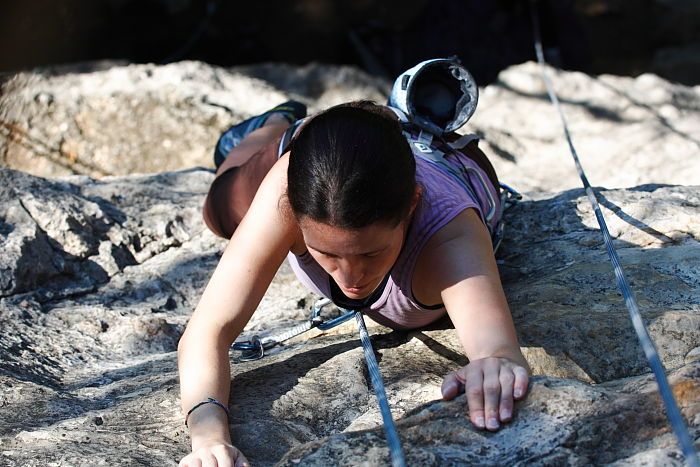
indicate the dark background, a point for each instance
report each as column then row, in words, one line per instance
column 625, row 37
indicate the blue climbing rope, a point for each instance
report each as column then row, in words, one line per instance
column 652, row 355
column 392, row 437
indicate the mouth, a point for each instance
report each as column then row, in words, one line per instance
column 356, row 288
column 359, row 290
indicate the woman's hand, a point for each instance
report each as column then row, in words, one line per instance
column 215, row 454
column 491, row 384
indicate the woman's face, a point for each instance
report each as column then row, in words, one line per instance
column 357, row 259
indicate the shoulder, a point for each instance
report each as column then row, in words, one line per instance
column 466, row 225
column 464, row 237
column 271, row 195
column 271, row 206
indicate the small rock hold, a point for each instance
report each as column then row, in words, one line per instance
column 44, row 98
column 170, row 304
column 98, row 421
column 692, row 355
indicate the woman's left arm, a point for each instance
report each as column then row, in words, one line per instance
column 464, row 270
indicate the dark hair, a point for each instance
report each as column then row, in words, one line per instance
column 350, row 166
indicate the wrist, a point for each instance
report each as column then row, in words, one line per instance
column 210, row 400
column 208, row 424
column 519, row 359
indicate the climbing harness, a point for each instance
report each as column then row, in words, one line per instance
column 433, row 99
column 674, row 414
column 423, row 149
column 254, row 349
column 432, row 148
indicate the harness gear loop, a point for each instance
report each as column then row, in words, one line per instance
column 509, row 198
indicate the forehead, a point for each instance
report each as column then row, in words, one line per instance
column 340, row 241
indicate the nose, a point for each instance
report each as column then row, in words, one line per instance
column 351, row 272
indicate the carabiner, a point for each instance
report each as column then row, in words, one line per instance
column 250, row 350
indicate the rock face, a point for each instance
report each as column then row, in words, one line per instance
column 147, row 118
column 627, row 132
column 99, row 276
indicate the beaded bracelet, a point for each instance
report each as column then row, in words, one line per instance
column 210, row 400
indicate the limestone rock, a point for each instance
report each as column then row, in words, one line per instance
column 655, row 230
column 148, row 118
column 98, row 277
column 562, row 422
column 89, row 372
column 627, row 131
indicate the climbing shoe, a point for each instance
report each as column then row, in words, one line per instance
column 290, row 110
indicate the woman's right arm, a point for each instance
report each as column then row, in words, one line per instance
column 240, row 280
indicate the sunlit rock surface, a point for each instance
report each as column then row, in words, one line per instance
column 99, row 276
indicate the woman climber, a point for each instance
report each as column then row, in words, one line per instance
column 366, row 222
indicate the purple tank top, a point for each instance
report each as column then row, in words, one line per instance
column 443, row 199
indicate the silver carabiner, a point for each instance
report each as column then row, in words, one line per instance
column 251, row 350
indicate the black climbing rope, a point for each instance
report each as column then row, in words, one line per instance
column 674, row 414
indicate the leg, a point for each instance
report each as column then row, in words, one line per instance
column 239, row 176
column 273, row 128
column 290, row 111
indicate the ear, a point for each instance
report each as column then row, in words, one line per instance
column 417, row 193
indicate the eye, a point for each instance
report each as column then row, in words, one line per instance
column 374, row 254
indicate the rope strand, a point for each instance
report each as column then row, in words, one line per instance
column 674, row 414
column 392, row 437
